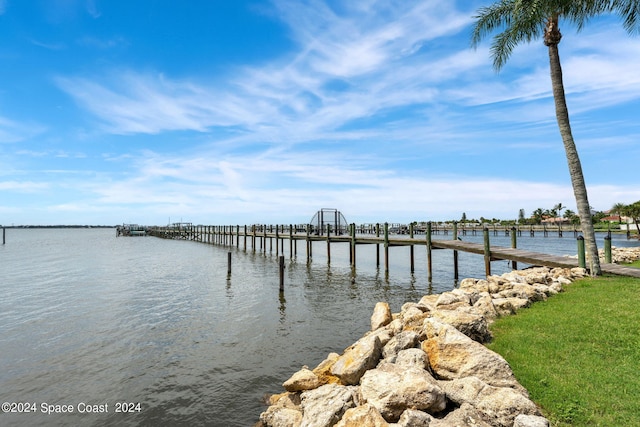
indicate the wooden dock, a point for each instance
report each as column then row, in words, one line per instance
column 261, row 238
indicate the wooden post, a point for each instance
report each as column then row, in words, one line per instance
column 607, row 249
column 514, row 264
column 386, row 247
column 253, row 238
column 281, row 269
column 353, row 245
column 264, row 238
column 281, row 239
column 245, row 238
column 228, row 264
column 411, row 247
column 378, row 245
column 455, row 253
column 581, row 255
column 271, row 239
column 487, row 252
column 328, row 244
column 308, row 244
column 277, row 246
column 3, row 235
column 291, row 241
column 429, row 259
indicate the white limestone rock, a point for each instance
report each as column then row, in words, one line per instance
column 392, row 389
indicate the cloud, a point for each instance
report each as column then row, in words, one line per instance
column 359, row 116
column 24, row 186
column 12, row 131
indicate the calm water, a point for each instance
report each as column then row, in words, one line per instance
column 88, row 318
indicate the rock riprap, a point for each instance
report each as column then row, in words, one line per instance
column 426, row 365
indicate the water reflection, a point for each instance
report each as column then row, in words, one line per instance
column 282, row 307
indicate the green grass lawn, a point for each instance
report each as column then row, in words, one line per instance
column 634, row 264
column 578, row 353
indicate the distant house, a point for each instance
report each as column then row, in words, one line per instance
column 624, row 222
column 555, row 221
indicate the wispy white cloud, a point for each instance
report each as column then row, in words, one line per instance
column 24, row 186
column 13, row 131
column 297, row 131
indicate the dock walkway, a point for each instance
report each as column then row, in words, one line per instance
column 232, row 235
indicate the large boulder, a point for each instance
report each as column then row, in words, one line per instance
column 304, row 379
column 357, row 359
column 401, row 341
column 471, row 324
column 464, row 416
column 509, row 306
column 454, row 355
column 392, row 389
column 323, row 370
column 325, row 406
column 278, row 416
column 453, row 299
column 523, row 291
column 381, row 315
column 362, row 416
column 414, row 418
column 285, row 411
column 413, row 357
column 498, row 406
column 484, row 305
column 523, row 420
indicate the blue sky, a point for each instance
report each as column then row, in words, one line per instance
column 237, row 112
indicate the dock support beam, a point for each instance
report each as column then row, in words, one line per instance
column 429, row 259
column 455, row 253
column 281, row 270
column 514, row 264
column 581, row 255
column 411, row 248
column 487, row 252
column 386, row 247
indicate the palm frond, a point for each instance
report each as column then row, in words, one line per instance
column 519, row 20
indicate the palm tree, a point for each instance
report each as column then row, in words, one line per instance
column 558, row 208
column 570, row 215
column 537, row 215
column 633, row 211
column 619, row 209
column 525, row 20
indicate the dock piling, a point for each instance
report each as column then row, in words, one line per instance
column 487, row 252
column 281, row 270
column 411, row 248
column 429, row 256
column 455, row 253
column 514, row 264
column 386, row 247
column 581, row 254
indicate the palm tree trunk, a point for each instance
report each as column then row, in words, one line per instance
column 575, row 168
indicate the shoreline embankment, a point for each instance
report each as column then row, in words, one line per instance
column 426, row 365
